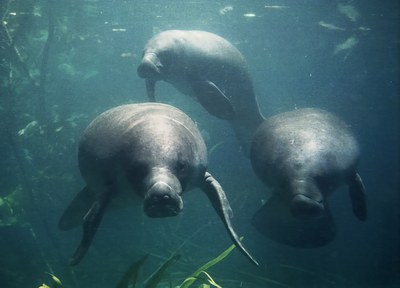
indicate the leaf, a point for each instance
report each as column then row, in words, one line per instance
column 209, row 280
column 157, row 276
column 56, row 281
column 132, row 273
column 195, row 275
column 185, row 282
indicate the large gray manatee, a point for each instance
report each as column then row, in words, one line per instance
column 141, row 153
column 304, row 155
column 209, row 68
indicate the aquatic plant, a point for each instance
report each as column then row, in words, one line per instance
column 12, row 208
column 131, row 274
column 56, row 283
column 158, row 275
column 197, row 275
column 204, row 277
column 200, row 275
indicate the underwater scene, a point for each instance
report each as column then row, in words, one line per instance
column 199, row 143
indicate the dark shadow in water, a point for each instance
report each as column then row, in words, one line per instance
column 274, row 221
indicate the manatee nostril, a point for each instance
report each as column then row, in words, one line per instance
column 159, row 199
column 145, row 70
column 162, row 201
column 149, row 67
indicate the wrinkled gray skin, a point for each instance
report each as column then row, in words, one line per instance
column 209, row 68
column 141, row 153
column 304, row 155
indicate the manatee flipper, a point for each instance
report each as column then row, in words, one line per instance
column 77, row 209
column 91, row 222
column 275, row 222
column 358, row 198
column 213, row 99
column 151, row 89
column 218, row 199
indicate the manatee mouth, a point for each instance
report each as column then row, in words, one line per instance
column 304, row 207
column 150, row 66
column 162, row 201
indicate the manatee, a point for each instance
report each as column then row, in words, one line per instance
column 304, row 155
column 209, row 68
column 146, row 154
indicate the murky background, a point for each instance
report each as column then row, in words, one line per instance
column 64, row 62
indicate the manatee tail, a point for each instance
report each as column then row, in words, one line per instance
column 358, row 198
column 218, row 199
column 275, row 221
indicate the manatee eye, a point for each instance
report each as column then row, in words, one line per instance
column 136, row 172
column 181, row 166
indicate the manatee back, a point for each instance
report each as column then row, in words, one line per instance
column 201, row 55
column 305, row 142
column 104, row 133
column 134, row 133
column 193, row 59
column 194, row 46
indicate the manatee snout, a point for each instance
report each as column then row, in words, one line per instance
column 150, row 67
column 162, row 198
column 162, row 201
